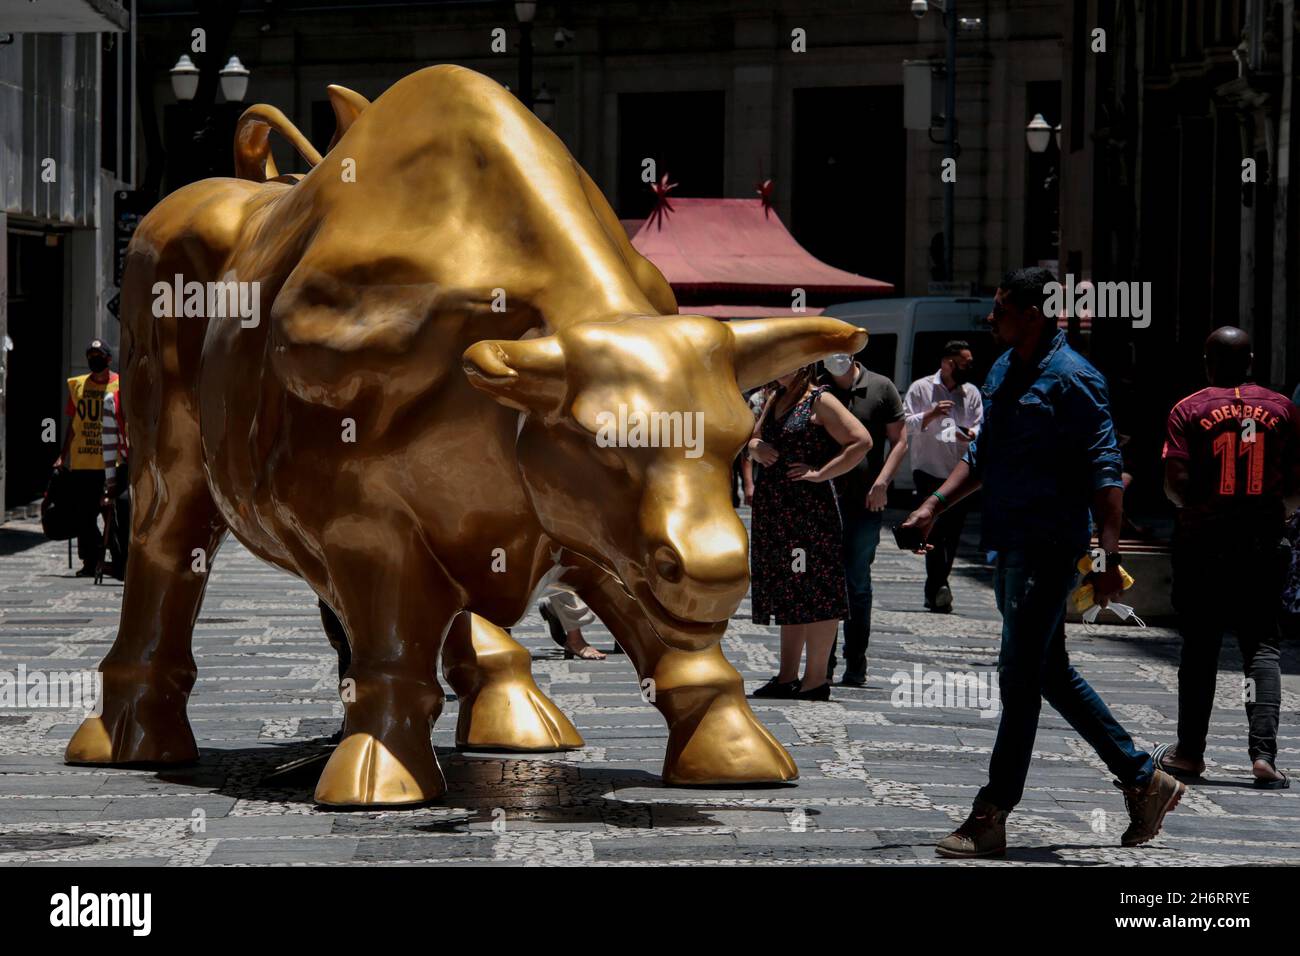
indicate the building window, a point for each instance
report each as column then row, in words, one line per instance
column 682, row 133
column 850, row 178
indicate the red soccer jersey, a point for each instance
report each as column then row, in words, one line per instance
column 1240, row 445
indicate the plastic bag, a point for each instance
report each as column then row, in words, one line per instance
column 1082, row 597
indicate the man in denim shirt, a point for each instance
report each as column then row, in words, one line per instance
column 1046, row 456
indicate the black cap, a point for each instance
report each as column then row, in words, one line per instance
column 99, row 345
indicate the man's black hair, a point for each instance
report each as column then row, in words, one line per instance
column 955, row 348
column 1026, row 288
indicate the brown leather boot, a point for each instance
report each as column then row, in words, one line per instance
column 983, row 834
column 1148, row 805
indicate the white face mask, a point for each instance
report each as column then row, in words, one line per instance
column 839, row 364
column 1122, row 611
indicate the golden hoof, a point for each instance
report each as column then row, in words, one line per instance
column 126, row 742
column 363, row 772
column 726, row 748
column 516, row 716
column 501, row 706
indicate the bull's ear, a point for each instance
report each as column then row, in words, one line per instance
column 527, row 374
column 768, row 348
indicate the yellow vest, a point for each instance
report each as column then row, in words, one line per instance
column 85, row 408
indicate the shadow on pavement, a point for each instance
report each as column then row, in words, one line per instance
column 15, row 540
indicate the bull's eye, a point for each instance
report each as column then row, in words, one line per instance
column 667, row 564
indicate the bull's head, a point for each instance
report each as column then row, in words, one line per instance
column 631, row 430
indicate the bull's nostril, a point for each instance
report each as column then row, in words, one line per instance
column 667, row 564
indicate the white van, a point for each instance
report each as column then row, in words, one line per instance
column 908, row 335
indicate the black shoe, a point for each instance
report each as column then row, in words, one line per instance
column 818, row 693
column 855, row 672
column 776, row 690
column 87, row 571
column 552, row 622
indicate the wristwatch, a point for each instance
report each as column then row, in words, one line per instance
column 1114, row 559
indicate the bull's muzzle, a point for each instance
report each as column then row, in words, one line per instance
column 703, row 576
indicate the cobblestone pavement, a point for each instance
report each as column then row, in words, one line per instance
column 879, row 783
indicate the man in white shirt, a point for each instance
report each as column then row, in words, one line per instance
column 944, row 412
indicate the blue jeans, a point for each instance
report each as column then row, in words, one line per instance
column 1031, row 589
column 861, row 537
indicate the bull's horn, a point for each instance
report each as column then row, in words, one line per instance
column 768, row 348
column 347, row 107
column 253, row 141
column 527, row 374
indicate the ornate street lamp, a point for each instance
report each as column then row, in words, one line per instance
column 1038, row 134
column 185, row 78
column 234, row 80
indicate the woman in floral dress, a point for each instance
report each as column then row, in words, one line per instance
column 804, row 438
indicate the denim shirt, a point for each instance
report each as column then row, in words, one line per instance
column 1047, row 445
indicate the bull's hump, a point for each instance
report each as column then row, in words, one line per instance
column 451, row 152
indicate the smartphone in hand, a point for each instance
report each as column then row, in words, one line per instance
column 908, row 539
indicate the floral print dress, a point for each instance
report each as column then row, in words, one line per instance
column 796, row 552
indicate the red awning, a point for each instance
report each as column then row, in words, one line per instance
column 745, row 311
column 735, row 245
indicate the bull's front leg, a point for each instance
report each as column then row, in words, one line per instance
column 395, row 604
column 501, row 707
column 713, row 736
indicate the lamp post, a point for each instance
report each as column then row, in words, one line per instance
column 949, row 10
column 194, row 158
column 1039, row 135
column 525, row 10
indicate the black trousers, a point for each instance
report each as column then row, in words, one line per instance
column 945, row 536
column 1222, row 586
column 85, row 489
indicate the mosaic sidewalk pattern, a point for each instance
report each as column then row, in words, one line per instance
column 879, row 782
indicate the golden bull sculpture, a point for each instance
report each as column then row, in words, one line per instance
column 446, row 305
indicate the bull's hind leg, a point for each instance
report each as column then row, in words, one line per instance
column 501, row 707
column 148, row 674
column 713, row 735
column 395, row 604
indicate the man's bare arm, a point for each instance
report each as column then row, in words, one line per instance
column 897, row 434
column 1177, row 480
column 1108, row 512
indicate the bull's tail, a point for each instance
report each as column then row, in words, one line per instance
column 253, row 160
